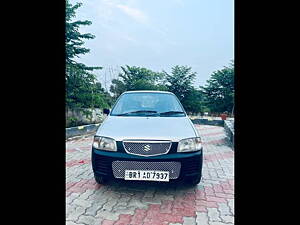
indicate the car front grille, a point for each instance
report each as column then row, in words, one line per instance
column 119, row 167
column 147, row 148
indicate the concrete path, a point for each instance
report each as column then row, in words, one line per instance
column 209, row 203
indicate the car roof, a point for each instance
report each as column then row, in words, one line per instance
column 147, row 91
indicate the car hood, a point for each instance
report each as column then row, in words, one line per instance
column 147, row 128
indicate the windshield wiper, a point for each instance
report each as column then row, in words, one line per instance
column 138, row 111
column 171, row 112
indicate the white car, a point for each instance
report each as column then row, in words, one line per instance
column 147, row 136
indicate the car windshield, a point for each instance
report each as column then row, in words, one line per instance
column 148, row 104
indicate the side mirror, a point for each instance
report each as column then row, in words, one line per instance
column 106, row 111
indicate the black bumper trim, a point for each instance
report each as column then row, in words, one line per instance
column 191, row 163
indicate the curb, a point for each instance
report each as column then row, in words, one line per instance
column 227, row 124
column 208, row 122
column 229, row 130
column 81, row 130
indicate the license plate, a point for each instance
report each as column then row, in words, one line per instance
column 148, row 175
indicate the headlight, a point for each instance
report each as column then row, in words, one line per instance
column 104, row 143
column 189, row 145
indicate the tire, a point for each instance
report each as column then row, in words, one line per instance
column 101, row 179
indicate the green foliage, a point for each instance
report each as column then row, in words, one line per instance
column 136, row 78
column 72, row 122
column 180, row 82
column 82, row 89
column 102, row 98
column 117, row 87
column 219, row 90
column 193, row 102
column 79, row 86
column 74, row 39
column 88, row 114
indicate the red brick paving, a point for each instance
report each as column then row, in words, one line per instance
column 167, row 211
column 77, row 162
column 174, row 211
column 214, row 142
column 107, row 222
column 213, row 134
column 81, row 186
column 123, row 220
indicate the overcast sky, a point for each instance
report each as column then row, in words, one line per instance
column 158, row 34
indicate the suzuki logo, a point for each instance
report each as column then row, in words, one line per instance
column 147, row 148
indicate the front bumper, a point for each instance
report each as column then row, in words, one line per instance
column 191, row 163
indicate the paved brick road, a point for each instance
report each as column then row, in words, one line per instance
column 210, row 202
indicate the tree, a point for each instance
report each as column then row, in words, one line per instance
column 74, row 39
column 219, row 90
column 102, row 97
column 117, row 87
column 193, row 102
column 79, row 87
column 136, row 78
column 180, row 82
column 82, row 91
